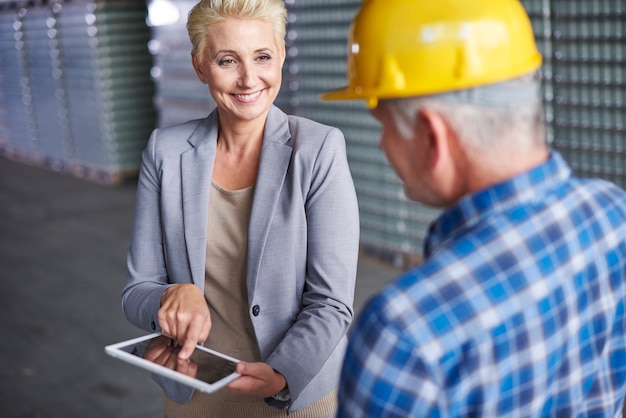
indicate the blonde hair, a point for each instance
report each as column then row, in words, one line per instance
column 208, row 12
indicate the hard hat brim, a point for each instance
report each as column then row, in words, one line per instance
column 342, row 93
column 348, row 93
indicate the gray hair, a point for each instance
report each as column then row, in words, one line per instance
column 483, row 117
column 208, row 12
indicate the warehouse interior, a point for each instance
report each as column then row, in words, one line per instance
column 83, row 83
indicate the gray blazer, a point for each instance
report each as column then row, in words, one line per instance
column 303, row 243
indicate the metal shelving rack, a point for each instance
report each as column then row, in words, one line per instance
column 589, row 83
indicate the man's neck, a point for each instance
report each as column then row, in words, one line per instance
column 493, row 168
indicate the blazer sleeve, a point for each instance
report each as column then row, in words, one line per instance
column 147, row 275
column 332, row 222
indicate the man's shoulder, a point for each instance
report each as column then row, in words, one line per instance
column 407, row 300
column 594, row 186
column 591, row 200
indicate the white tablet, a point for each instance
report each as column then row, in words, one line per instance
column 206, row 370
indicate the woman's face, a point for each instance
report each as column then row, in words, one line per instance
column 243, row 67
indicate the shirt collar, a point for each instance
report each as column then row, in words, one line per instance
column 477, row 206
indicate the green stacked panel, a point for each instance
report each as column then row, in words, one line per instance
column 76, row 85
column 109, row 92
column 20, row 132
column 40, row 32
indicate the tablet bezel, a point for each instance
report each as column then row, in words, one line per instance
column 116, row 351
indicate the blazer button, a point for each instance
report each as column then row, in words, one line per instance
column 255, row 310
column 153, row 326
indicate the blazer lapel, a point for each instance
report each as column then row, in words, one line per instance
column 196, row 173
column 275, row 157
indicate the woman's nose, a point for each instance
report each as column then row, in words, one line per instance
column 247, row 75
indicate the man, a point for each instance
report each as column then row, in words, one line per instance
column 519, row 306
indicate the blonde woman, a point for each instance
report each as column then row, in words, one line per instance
column 246, row 229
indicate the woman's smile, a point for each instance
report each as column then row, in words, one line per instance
column 247, row 98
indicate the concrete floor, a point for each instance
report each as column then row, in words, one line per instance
column 63, row 245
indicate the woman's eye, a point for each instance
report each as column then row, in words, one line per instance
column 264, row 58
column 226, row 61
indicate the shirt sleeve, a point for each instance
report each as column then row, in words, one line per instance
column 383, row 375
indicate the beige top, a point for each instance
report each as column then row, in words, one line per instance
column 225, row 285
column 227, row 296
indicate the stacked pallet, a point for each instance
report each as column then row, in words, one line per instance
column 76, row 90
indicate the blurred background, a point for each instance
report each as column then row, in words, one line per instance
column 82, row 84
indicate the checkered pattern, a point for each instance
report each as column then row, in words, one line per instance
column 517, row 311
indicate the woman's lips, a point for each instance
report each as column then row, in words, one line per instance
column 248, row 97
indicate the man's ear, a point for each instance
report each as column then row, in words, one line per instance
column 437, row 133
column 447, row 170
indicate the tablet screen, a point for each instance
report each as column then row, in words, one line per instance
column 163, row 350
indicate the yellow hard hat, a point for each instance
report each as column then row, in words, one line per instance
column 403, row 48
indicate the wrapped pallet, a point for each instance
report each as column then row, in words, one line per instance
column 76, row 86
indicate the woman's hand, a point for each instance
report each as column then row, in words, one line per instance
column 257, row 379
column 184, row 315
column 160, row 351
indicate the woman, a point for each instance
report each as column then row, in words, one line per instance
column 246, row 229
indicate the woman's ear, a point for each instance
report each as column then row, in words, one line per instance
column 197, row 67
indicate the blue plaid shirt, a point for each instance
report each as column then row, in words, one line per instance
column 517, row 311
